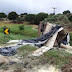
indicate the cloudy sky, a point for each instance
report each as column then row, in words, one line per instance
column 35, row 6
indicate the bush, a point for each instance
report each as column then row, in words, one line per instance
column 57, row 18
column 20, row 20
column 21, row 27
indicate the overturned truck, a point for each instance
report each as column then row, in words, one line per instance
column 56, row 37
column 51, row 36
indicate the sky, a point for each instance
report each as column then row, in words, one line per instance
column 35, row 6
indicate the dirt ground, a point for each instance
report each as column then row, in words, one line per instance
column 18, row 64
column 25, row 63
column 67, row 68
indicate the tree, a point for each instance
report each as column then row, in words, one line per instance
column 30, row 18
column 23, row 14
column 39, row 17
column 67, row 12
column 3, row 15
column 12, row 15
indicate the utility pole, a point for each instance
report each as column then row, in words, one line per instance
column 54, row 10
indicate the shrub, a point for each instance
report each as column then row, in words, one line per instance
column 21, row 27
column 20, row 20
column 57, row 18
column 30, row 18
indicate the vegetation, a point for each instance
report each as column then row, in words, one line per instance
column 67, row 13
column 23, row 14
column 12, row 16
column 70, row 18
column 71, row 39
column 16, row 33
column 59, row 18
column 64, row 18
column 21, row 27
column 25, row 50
column 20, row 20
column 3, row 15
column 30, row 18
column 56, row 57
column 39, row 17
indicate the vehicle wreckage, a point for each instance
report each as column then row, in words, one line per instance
column 52, row 35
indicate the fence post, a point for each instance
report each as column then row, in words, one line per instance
column 39, row 29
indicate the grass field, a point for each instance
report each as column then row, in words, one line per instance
column 16, row 33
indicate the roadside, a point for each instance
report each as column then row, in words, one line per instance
column 51, row 61
column 21, row 62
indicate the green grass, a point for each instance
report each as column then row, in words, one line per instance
column 27, row 31
column 24, row 50
column 4, row 38
column 16, row 33
column 56, row 57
